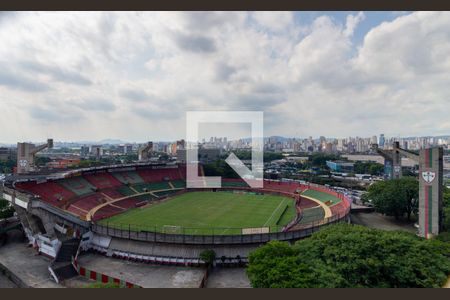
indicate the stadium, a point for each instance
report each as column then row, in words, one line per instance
column 144, row 212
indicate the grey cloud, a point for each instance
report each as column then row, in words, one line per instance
column 195, row 43
column 259, row 101
column 266, row 88
column 52, row 115
column 224, row 71
column 135, row 95
column 57, row 73
column 157, row 114
column 262, row 96
column 96, row 105
column 15, row 81
column 206, row 20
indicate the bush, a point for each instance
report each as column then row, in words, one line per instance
column 351, row 256
column 446, row 209
column 444, row 237
column 208, row 256
column 397, row 197
column 6, row 209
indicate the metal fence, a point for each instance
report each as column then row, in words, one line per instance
column 215, row 235
column 167, row 229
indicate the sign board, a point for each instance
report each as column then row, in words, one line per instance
column 256, row 230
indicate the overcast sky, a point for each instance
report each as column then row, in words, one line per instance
column 132, row 76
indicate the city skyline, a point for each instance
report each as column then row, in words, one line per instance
column 107, row 140
column 132, row 75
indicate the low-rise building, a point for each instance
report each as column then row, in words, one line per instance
column 341, row 166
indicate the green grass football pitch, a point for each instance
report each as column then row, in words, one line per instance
column 209, row 213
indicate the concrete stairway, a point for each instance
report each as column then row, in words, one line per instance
column 62, row 265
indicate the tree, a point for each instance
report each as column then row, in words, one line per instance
column 276, row 265
column 7, row 166
column 6, row 210
column 368, row 167
column 446, row 209
column 247, row 155
column 219, row 168
column 88, row 163
column 446, row 196
column 208, row 256
column 376, row 169
column 320, row 159
column 395, row 197
column 346, row 255
column 41, row 160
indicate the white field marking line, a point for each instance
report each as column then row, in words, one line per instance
column 282, row 202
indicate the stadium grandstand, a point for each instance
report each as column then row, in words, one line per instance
column 81, row 194
column 96, row 204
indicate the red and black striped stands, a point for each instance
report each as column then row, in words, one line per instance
column 103, row 180
column 49, row 191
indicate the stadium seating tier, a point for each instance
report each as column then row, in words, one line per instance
column 81, row 194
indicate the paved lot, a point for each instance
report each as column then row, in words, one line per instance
column 228, row 278
column 5, row 282
column 149, row 276
column 378, row 221
column 30, row 268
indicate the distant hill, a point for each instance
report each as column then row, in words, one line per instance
column 112, row 141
